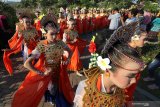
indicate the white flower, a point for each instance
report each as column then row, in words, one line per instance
column 91, row 59
column 103, row 63
column 135, row 37
column 96, row 54
column 43, row 31
column 94, row 59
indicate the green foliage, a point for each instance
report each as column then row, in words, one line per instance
column 87, row 3
column 114, row 3
column 93, row 60
column 149, row 51
column 10, row 13
column 62, row 3
column 28, row 3
column 152, row 6
column 45, row 3
column 36, row 3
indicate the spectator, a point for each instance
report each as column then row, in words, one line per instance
column 115, row 18
column 131, row 16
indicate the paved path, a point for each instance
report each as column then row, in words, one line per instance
column 9, row 84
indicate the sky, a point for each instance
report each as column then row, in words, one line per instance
column 12, row 0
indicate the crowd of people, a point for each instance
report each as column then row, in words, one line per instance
column 52, row 46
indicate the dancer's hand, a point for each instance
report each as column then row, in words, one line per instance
column 65, row 62
column 66, row 54
column 75, row 40
column 72, row 41
column 47, row 71
column 6, row 49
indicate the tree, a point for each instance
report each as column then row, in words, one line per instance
column 10, row 12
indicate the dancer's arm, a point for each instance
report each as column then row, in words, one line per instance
column 28, row 63
column 64, row 37
column 80, row 92
column 69, row 51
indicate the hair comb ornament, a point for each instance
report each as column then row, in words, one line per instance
column 141, row 63
column 25, row 13
column 47, row 19
column 123, row 34
column 38, row 10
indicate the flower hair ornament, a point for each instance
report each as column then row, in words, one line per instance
column 92, row 50
column 43, row 31
column 103, row 63
column 26, row 13
column 123, row 35
column 135, row 37
column 97, row 60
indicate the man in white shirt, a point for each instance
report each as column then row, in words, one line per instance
column 115, row 20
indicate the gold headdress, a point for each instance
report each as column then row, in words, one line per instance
column 70, row 16
column 18, row 13
column 77, row 8
column 38, row 10
column 123, row 34
column 25, row 13
column 47, row 19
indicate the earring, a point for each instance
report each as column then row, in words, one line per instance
column 107, row 74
